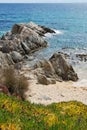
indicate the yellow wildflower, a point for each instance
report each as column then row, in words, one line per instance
column 51, row 119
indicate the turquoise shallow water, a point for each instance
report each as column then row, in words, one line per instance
column 69, row 20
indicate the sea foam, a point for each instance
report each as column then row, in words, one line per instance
column 57, row 32
column 80, row 83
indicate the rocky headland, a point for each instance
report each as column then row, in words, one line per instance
column 24, row 39
column 21, row 41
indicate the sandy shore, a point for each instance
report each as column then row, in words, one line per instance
column 61, row 91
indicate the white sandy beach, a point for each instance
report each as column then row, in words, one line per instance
column 61, row 91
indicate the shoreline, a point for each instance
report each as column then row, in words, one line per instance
column 59, row 92
column 27, row 38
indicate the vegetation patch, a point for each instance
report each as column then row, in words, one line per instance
column 14, row 83
column 22, row 115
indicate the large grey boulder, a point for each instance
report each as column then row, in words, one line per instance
column 56, row 68
column 47, row 68
column 17, row 28
column 42, row 79
column 25, row 38
column 62, row 67
column 41, row 30
column 25, row 47
column 17, row 57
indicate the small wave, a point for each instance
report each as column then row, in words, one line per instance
column 57, row 32
column 49, row 35
column 2, row 32
column 81, row 83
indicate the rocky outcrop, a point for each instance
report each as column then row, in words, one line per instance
column 17, row 57
column 82, row 57
column 41, row 30
column 63, row 68
column 56, row 68
column 43, row 79
column 23, row 40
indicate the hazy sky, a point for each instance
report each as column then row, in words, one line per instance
column 41, row 1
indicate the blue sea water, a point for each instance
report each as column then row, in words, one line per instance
column 70, row 21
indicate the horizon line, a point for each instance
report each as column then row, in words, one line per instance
column 43, row 3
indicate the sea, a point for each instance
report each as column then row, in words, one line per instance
column 69, row 22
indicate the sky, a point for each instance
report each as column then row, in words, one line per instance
column 42, row 1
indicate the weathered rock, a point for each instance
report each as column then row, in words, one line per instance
column 56, row 68
column 25, row 34
column 9, row 59
column 36, row 28
column 63, row 68
column 30, row 35
column 18, row 66
column 46, row 67
column 22, row 40
column 41, row 30
column 25, row 47
column 82, row 57
column 5, row 48
column 16, row 56
column 66, row 56
column 52, row 81
column 47, row 30
column 42, row 79
column 17, row 28
column 3, row 60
